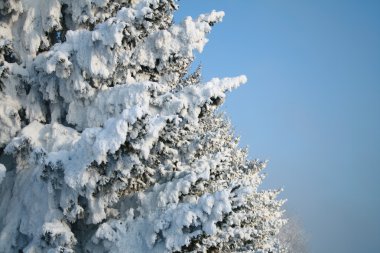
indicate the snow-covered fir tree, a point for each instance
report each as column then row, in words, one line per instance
column 108, row 144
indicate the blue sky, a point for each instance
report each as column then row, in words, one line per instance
column 311, row 106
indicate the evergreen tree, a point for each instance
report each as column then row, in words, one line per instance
column 108, row 144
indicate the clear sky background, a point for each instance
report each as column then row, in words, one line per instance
column 311, row 106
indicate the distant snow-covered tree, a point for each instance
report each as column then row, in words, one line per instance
column 292, row 237
column 108, row 144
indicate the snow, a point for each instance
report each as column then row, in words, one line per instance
column 3, row 170
column 9, row 123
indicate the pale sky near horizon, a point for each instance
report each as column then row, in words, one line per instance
column 311, row 106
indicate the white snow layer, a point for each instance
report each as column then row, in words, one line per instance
column 3, row 170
